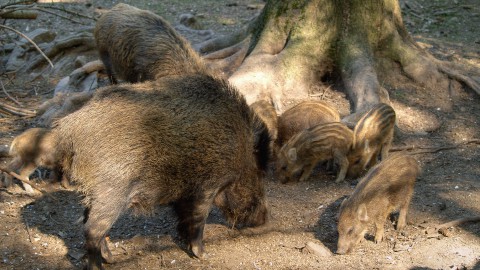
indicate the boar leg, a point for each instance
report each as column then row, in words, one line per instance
column 307, row 170
column 192, row 214
column 105, row 57
column 99, row 218
column 342, row 161
column 379, row 231
column 25, row 172
column 402, row 216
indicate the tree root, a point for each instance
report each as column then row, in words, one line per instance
column 228, row 59
column 80, row 73
column 82, row 39
column 44, row 57
column 222, row 42
column 426, row 149
column 459, row 77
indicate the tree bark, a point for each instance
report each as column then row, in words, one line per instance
column 296, row 46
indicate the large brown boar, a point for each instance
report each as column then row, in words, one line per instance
column 189, row 141
column 386, row 188
column 138, row 45
column 319, row 143
column 302, row 116
column 372, row 139
column 35, row 147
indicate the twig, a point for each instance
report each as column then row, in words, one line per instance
column 26, row 181
column 71, row 12
column 428, row 149
column 457, row 222
column 24, row 2
column 8, row 95
column 17, row 111
column 29, row 40
column 20, row 178
column 28, row 231
column 59, row 15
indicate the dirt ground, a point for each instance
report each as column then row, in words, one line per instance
column 45, row 232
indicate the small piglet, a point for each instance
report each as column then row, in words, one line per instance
column 387, row 187
column 319, row 143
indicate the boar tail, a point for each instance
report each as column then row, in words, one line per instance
column 262, row 143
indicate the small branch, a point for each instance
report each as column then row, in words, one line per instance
column 28, row 231
column 19, row 14
column 71, row 12
column 17, row 111
column 428, row 149
column 29, row 40
column 58, row 15
column 85, row 39
column 20, row 178
column 456, row 222
column 24, row 2
column 8, row 95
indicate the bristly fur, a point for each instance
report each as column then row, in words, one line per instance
column 262, row 143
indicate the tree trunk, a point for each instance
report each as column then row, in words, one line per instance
column 295, row 47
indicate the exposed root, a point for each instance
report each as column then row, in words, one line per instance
column 459, row 77
column 230, row 62
column 222, row 42
column 80, row 73
column 226, row 52
column 83, row 39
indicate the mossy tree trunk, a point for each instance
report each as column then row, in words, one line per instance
column 296, row 46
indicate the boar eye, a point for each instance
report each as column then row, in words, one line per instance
column 284, row 168
column 357, row 161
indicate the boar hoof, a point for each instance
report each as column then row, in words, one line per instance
column 378, row 238
column 198, row 252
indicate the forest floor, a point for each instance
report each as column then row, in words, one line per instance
column 45, row 231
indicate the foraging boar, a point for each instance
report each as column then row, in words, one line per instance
column 302, row 116
column 372, row 139
column 189, row 141
column 319, row 143
column 138, row 45
column 387, row 187
column 265, row 110
column 36, row 147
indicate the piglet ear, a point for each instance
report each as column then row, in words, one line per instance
column 292, row 154
column 362, row 213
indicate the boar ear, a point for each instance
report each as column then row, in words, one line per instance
column 362, row 213
column 292, row 154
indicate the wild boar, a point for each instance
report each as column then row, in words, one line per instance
column 387, row 187
column 302, row 116
column 138, row 45
column 35, row 147
column 319, row 143
column 189, row 141
column 372, row 139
